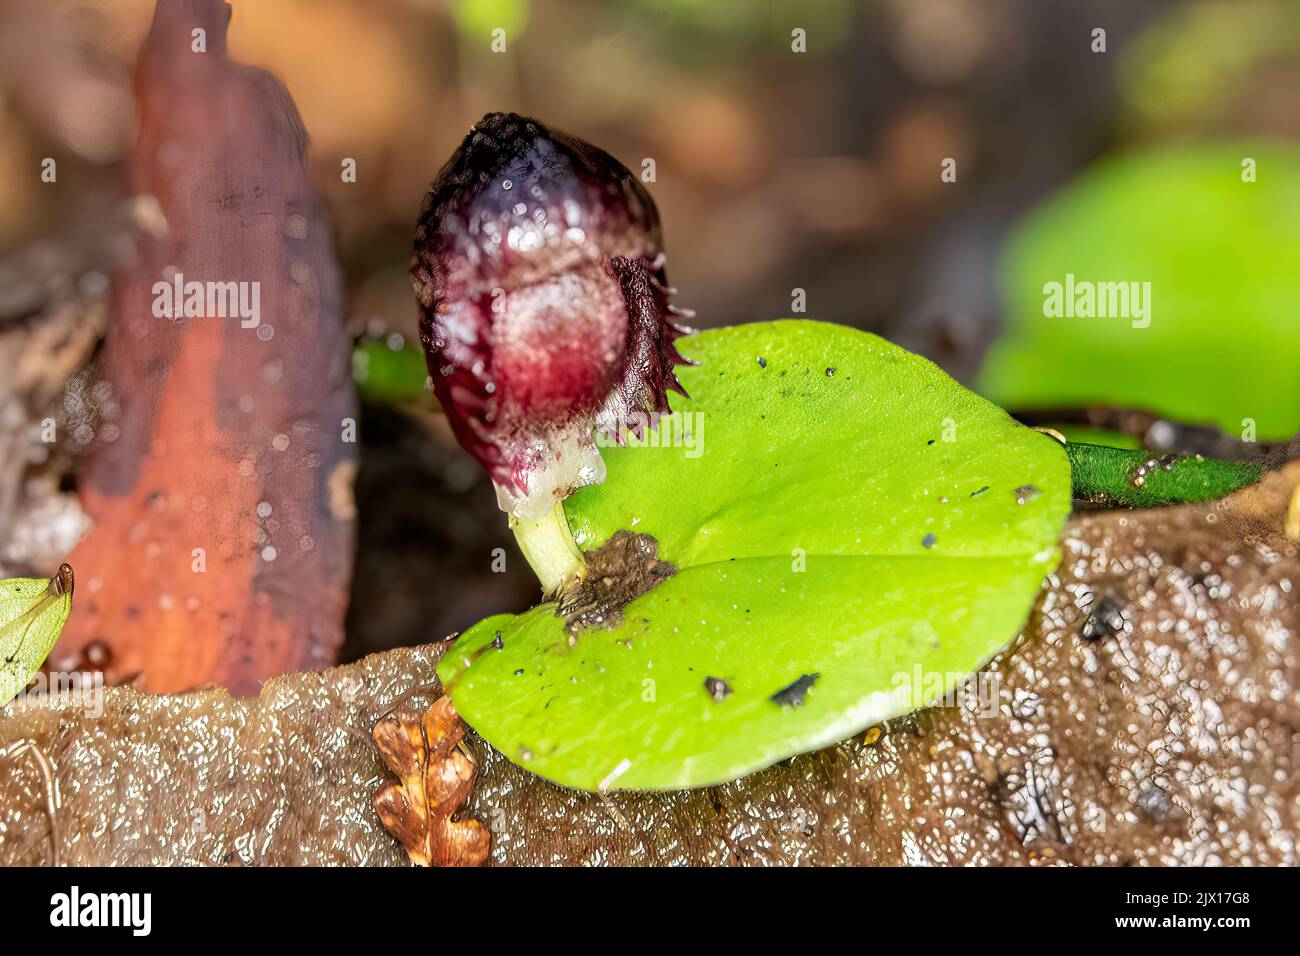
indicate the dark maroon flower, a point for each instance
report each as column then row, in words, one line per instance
column 539, row 271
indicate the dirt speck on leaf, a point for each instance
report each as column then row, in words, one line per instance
column 718, row 688
column 1026, row 493
column 618, row 572
column 793, row 694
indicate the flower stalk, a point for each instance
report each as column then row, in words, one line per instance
column 552, row 553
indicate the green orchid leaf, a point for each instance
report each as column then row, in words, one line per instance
column 32, row 615
column 1214, row 258
column 853, row 534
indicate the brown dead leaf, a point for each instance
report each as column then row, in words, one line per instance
column 435, row 780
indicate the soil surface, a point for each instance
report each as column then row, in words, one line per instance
column 618, row 572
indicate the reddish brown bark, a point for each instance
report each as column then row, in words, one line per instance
column 221, row 550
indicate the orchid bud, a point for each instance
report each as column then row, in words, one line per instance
column 544, row 314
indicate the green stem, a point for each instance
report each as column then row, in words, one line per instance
column 548, row 545
column 1143, row 479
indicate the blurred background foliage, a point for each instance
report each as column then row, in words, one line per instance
column 775, row 171
column 1220, row 336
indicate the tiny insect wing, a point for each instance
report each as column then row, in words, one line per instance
column 32, row 614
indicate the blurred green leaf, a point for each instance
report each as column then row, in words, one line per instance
column 388, row 375
column 476, row 19
column 733, row 28
column 853, row 513
column 1195, row 62
column 1221, row 256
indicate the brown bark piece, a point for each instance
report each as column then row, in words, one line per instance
column 221, row 548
